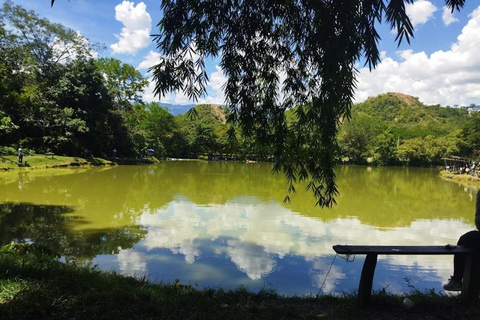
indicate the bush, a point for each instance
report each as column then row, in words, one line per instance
column 8, row 151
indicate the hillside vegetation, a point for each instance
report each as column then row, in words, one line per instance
column 395, row 128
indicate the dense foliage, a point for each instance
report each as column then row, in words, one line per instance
column 55, row 96
column 313, row 45
column 394, row 128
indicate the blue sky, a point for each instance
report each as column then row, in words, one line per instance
column 440, row 66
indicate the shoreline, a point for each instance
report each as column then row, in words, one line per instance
column 462, row 179
column 8, row 163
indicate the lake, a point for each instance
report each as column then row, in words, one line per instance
column 225, row 225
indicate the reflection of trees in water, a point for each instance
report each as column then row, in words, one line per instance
column 392, row 197
column 383, row 197
column 117, row 197
column 51, row 226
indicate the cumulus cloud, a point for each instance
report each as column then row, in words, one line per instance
column 137, row 23
column 214, row 87
column 251, row 259
column 447, row 16
column 420, row 12
column 151, row 59
column 444, row 77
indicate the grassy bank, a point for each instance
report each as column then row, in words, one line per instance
column 34, row 287
column 462, row 179
column 43, row 161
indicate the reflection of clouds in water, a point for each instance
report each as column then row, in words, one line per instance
column 250, row 258
column 188, row 249
column 174, row 229
column 259, row 230
column 132, row 262
column 324, row 277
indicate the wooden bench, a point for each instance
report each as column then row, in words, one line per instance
column 49, row 154
column 470, row 279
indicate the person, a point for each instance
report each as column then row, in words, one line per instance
column 20, row 155
column 470, row 239
column 114, row 153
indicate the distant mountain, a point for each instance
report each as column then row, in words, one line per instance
column 176, row 109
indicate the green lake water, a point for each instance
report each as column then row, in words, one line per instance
column 226, row 225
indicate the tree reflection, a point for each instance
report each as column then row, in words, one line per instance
column 52, row 226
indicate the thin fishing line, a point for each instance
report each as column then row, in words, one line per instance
column 326, row 276
column 346, row 258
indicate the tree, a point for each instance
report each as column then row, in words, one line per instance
column 48, row 43
column 159, row 125
column 356, row 136
column 36, row 57
column 315, row 44
column 124, row 82
column 471, row 133
column 385, row 147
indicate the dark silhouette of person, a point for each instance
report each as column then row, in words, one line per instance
column 470, row 239
column 20, row 155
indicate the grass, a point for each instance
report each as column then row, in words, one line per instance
column 43, row 161
column 34, row 287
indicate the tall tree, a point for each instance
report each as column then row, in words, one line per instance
column 124, row 82
column 47, row 42
column 36, row 55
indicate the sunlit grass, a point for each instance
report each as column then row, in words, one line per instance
column 9, row 288
column 48, row 161
column 466, row 180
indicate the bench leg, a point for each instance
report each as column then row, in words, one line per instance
column 471, row 280
column 366, row 280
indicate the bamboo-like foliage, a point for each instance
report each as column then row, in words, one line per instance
column 312, row 45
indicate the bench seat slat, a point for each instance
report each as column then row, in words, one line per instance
column 391, row 250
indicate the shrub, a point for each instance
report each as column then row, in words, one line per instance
column 7, row 151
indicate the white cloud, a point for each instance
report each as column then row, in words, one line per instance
column 447, row 16
column 420, row 12
column 132, row 263
column 445, row 77
column 250, row 259
column 151, row 59
column 214, row 87
column 137, row 23
column 215, row 92
column 148, row 95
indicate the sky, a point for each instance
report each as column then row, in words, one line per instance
column 441, row 65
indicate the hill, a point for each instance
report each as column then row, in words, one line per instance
column 410, row 118
column 396, row 128
column 389, row 129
